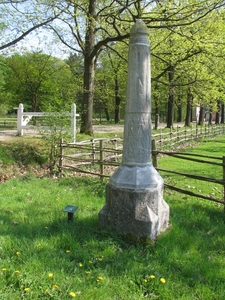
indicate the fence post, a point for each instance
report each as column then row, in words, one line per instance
column 171, row 128
column 161, row 139
column 101, row 158
column 93, row 149
column 20, row 119
column 73, row 122
column 178, row 135
column 60, row 157
column 154, row 154
column 115, row 146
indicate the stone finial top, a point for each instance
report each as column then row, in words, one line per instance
column 139, row 28
column 139, row 34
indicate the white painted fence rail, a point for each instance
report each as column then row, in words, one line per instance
column 23, row 119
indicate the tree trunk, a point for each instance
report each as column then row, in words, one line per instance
column 201, row 115
column 89, row 71
column 117, row 100
column 222, row 113
column 189, row 107
column 179, row 112
column 171, row 100
column 217, row 121
column 106, row 113
column 210, row 116
column 156, row 100
column 156, row 117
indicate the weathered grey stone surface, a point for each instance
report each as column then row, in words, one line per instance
column 134, row 194
column 142, row 213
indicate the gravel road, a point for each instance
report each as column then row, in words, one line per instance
column 4, row 134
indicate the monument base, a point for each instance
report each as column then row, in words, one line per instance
column 137, row 212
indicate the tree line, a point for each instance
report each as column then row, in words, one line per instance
column 187, row 56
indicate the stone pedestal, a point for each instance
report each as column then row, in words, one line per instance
column 140, row 212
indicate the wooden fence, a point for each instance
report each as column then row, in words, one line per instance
column 100, row 157
column 182, row 135
column 197, row 158
column 80, row 155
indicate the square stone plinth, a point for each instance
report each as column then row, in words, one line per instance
column 139, row 212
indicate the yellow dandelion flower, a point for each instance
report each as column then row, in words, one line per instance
column 26, row 290
column 67, row 251
column 50, row 275
column 17, row 272
column 55, row 287
column 152, row 276
column 163, row 280
column 100, row 259
column 72, row 294
column 17, row 253
column 80, row 265
column 145, row 280
column 100, row 278
column 4, row 269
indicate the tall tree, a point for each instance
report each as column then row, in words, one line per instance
column 108, row 21
column 190, row 51
column 117, row 55
column 39, row 81
column 92, row 25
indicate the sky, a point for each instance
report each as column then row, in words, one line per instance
column 16, row 24
column 39, row 41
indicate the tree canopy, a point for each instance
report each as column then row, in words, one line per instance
column 187, row 47
column 37, row 80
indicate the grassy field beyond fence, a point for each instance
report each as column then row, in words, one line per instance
column 8, row 123
column 42, row 256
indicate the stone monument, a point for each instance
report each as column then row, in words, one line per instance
column 134, row 194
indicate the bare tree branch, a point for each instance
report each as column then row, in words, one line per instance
column 26, row 33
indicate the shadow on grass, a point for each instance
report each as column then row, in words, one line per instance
column 190, row 254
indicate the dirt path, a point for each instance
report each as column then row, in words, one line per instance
column 7, row 134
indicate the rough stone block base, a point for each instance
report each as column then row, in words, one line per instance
column 139, row 212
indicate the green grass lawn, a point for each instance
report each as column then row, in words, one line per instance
column 214, row 148
column 42, row 256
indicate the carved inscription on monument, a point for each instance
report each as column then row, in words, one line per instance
column 137, row 139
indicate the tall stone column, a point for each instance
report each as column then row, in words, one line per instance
column 134, row 194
